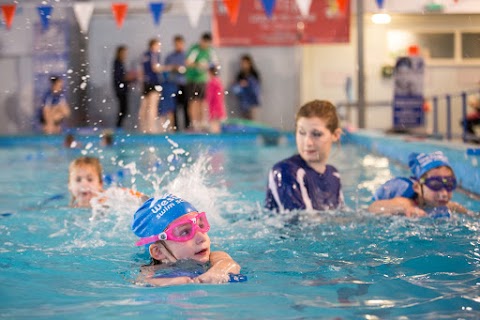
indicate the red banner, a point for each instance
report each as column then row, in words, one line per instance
column 326, row 23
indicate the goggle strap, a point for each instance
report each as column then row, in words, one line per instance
column 147, row 240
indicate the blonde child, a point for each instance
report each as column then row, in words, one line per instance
column 305, row 181
column 85, row 182
column 173, row 230
column 428, row 193
column 214, row 96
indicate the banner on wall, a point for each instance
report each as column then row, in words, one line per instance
column 50, row 56
column 326, row 23
column 408, row 93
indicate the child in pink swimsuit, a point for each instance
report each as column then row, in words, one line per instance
column 215, row 99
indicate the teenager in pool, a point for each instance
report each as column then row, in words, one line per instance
column 427, row 193
column 175, row 232
column 306, row 181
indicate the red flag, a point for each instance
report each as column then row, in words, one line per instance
column 232, row 7
column 8, row 13
column 119, row 13
column 342, row 5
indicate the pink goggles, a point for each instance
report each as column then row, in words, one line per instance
column 182, row 230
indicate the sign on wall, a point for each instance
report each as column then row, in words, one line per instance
column 408, row 93
column 327, row 22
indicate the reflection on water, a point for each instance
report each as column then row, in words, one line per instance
column 59, row 262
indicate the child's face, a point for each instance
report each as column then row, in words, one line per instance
column 435, row 198
column 197, row 248
column 314, row 139
column 84, row 183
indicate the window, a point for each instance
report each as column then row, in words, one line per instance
column 470, row 45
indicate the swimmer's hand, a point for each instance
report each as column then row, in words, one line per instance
column 221, row 266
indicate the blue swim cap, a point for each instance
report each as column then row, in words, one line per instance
column 393, row 188
column 420, row 163
column 154, row 216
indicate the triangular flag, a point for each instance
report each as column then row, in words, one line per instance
column 8, row 14
column 269, row 6
column 304, row 7
column 83, row 12
column 119, row 13
column 342, row 6
column 233, row 7
column 45, row 13
column 194, row 10
column 380, row 4
column 157, row 9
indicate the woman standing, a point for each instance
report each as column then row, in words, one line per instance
column 121, row 80
column 247, row 88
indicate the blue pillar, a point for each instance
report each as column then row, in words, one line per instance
column 435, row 115
column 464, row 116
column 449, row 117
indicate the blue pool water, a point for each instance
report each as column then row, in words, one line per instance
column 58, row 262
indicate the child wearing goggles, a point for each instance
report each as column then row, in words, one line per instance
column 173, row 230
column 427, row 193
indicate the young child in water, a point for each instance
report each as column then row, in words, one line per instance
column 306, row 181
column 175, row 231
column 428, row 193
column 85, row 182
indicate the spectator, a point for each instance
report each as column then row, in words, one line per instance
column 199, row 58
column 472, row 119
column 121, row 80
column 247, row 88
column 175, row 62
column 54, row 109
column 215, row 98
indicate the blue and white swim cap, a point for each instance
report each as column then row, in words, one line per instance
column 420, row 163
column 154, row 216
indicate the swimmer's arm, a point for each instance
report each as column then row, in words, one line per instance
column 457, row 208
column 146, row 278
column 399, row 205
column 221, row 266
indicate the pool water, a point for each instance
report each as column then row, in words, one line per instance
column 66, row 263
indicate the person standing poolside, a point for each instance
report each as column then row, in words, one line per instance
column 54, row 109
column 247, row 88
column 121, row 80
column 199, row 58
column 215, row 97
column 175, row 62
column 306, row 181
column 175, row 231
column 148, row 113
column 428, row 193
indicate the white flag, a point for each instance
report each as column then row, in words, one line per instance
column 83, row 12
column 194, row 10
column 304, row 6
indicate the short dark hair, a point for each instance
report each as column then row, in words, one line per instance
column 54, row 79
column 178, row 37
column 207, row 36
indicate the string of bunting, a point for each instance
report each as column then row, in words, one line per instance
column 83, row 11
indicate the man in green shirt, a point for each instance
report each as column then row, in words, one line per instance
column 199, row 58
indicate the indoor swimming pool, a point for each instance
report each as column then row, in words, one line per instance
column 59, row 262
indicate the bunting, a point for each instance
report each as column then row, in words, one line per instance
column 233, row 7
column 194, row 10
column 83, row 12
column 45, row 13
column 269, row 6
column 304, row 7
column 156, row 8
column 379, row 4
column 119, row 11
column 342, row 6
column 8, row 11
